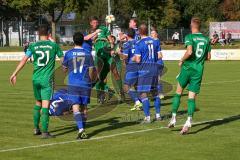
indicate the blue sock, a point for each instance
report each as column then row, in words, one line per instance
column 157, row 104
column 133, row 95
column 146, row 106
column 78, row 119
column 84, row 120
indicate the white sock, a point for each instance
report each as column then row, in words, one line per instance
column 148, row 118
column 158, row 115
column 174, row 115
column 189, row 119
column 137, row 102
column 80, row 130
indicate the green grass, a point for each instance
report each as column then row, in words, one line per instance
column 219, row 140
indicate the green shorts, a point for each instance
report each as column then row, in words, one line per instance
column 42, row 90
column 191, row 78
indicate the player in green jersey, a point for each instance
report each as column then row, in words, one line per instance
column 192, row 67
column 44, row 54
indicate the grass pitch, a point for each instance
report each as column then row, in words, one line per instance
column 117, row 134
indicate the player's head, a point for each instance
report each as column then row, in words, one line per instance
column 195, row 23
column 130, row 33
column 43, row 30
column 133, row 23
column 94, row 22
column 78, row 38
column 154, row 33
column 143, row 29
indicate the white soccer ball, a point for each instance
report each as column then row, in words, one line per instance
column 110, row 18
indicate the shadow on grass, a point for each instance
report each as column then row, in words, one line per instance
column 215, row 123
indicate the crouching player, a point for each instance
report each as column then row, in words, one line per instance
column 192, row 66
column 147, row 53
column 79, row 64
column 131, row 75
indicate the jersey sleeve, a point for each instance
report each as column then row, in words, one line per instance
column 126, row 49
column 188, row 40
column 137, row 49
column 59, row 51
column 159, row 46
column 65, row 61
column 29, row 51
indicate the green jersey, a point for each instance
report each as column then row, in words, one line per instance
column 104, row 33
column 200, row 48
column 44, row 55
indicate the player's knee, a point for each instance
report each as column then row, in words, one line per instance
column 191, row 95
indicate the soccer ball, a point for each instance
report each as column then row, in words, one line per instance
column 110, row 18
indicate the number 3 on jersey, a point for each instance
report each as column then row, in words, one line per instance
column 199, row 50
column 42, row 56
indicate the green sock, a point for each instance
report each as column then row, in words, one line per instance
column 106, row 87
column 176, row 103
column 36, row 116
column 191, row 107
column 45, row 119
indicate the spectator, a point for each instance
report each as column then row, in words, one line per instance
column 175, row 38
column 222, row 39
column 229, row 38
column 215, row 38
column 1, row 39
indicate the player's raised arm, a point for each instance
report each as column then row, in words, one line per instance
column 91, row 35
column 13, row 77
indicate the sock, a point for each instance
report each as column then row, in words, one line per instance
column 176, row 103
column 191, row 107
column 106, row 87
column 36, row 116
column 146, row 107
column 84, row 117
column 45, row 119
column 133, row 95
column 157, row 104
column 78, row 119
column 158, row 115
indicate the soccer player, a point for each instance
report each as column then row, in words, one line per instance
column 44, row 53
column 79, row 64
column 192, row 67
column 160, row 64
column 133, row 24
column 131, row 75
column 147, row 53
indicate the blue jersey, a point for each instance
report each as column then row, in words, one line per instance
column 129, row 50
column 60, row 103
column 148, row 49
column 137, row 35
column 160, row 61
column 78, row 61
column 87, row 45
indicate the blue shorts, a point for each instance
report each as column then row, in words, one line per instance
column 131, row 75
column 79, row 95
column 147, row 84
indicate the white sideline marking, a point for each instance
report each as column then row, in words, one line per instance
column 98, row 138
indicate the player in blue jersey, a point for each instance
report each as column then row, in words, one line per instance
column 79, row 64
column 147, row 53
column 131, row 74
column 133, row 25
column 61, row 104
column 160, row 64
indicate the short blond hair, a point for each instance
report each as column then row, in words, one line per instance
column 196, row 21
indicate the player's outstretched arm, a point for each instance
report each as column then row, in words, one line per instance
column 13, row 78
column 89, row 36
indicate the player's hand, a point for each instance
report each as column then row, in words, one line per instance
column 13, row 79
column 112, row 53
column 180, row 63
column 98, row 31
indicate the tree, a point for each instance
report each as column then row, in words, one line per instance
column 50, row 7
column 231, row 9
